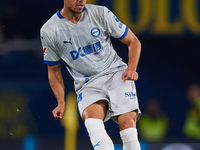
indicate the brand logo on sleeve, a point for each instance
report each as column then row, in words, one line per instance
column 95, row 32
column 117, row 20
column 119, row 23
column 44, row 51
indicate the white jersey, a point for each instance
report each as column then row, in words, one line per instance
column 85, row 48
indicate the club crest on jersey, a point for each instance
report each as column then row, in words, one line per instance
column 95, row 32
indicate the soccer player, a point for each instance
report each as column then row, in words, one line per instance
column 79, row 35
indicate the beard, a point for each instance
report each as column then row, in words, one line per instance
column 76, row 11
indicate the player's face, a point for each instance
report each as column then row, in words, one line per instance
column 75, row 6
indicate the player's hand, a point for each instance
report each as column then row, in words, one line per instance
column 130, row 75
column 58, row 112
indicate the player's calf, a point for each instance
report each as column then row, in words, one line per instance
column 130, row 139
column 98, row 135
column 128, row 131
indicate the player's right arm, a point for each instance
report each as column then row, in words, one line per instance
column 57, row 86
column 52, row 60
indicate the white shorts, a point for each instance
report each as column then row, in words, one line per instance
column 121, row 96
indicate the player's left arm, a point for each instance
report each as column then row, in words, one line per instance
column 134, row 47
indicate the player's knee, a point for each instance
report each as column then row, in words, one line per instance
column 125, row 124
column 127, row 120
column 96, row 110
column 87, row 115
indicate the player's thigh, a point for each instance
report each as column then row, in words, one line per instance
column 96, row 110
column 127, row 120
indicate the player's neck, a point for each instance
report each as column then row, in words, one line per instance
column 70, row 16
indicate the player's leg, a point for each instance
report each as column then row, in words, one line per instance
column 123, row 97
column 128, row 131
column 93, row 116
column 96, row 110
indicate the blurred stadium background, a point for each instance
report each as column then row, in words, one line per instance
column 169, row 31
